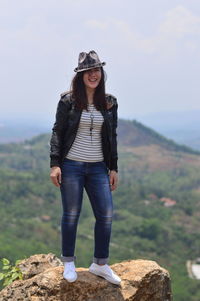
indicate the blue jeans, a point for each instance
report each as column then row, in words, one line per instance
column 93, row 176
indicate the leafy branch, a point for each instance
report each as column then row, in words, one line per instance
column 10, row 273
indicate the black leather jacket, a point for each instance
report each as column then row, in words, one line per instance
column 66, row 126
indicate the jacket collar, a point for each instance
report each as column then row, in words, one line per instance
column 110, row 99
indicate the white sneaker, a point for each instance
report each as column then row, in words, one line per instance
column 69, row 271
column 104, row 271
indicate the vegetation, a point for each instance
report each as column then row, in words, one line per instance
column 143, row 226
column 10, row 273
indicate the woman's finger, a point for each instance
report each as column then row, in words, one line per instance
column 55, row 176
column 54, row 180
column 111, row 178
column 113, row 181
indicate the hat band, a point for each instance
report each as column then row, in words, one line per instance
column 90, row 66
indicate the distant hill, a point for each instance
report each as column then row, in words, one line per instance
column 20, row 132
column 134, row 133
column 183, row 126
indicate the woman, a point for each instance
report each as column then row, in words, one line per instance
column 84, row 155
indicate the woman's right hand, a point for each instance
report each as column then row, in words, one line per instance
column 55, row 175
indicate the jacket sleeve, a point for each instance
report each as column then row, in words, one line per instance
column 114, row 152
column 58, row 131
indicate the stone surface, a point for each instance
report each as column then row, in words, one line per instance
column 38, row 263
column 142, row 280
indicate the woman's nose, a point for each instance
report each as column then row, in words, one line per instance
column 91, row 72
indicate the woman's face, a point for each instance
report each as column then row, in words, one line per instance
column 92, row 77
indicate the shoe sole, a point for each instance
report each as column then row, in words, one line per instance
column 105, row 277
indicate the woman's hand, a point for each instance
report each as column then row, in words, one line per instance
column 113, row 179
column 55, row 175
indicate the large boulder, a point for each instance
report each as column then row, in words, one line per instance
column 142, row 280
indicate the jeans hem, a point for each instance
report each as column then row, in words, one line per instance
column 100, row 260
column 67, row 258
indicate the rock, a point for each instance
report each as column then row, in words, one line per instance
column 37, row 264
column 142, row 280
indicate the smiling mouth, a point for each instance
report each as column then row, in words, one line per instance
column 92, row 80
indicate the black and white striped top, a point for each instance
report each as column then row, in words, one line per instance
column 87, row 145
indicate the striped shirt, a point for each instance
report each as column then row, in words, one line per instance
column 87, row 145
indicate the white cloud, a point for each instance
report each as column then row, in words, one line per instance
column 179, row 22
column 122, row 31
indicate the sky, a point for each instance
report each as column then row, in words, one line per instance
column 151, row 49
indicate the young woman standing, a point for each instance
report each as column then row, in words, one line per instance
column 84, row 155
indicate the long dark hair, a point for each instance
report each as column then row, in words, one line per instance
column 79, row 92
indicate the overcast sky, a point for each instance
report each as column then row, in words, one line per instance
column 151, row 49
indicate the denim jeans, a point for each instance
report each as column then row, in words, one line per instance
column 93, row 176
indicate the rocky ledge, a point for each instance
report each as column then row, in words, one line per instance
column 142, row 280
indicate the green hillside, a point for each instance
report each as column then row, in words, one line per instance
column 134, row 133
column 154, row 172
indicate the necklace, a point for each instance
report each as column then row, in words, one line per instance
column 92, row 119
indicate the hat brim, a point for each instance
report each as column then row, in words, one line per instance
column 90, row 67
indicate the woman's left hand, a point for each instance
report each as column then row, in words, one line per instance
column 113, row 179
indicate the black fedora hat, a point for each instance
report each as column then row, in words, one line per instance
column 88, row 61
